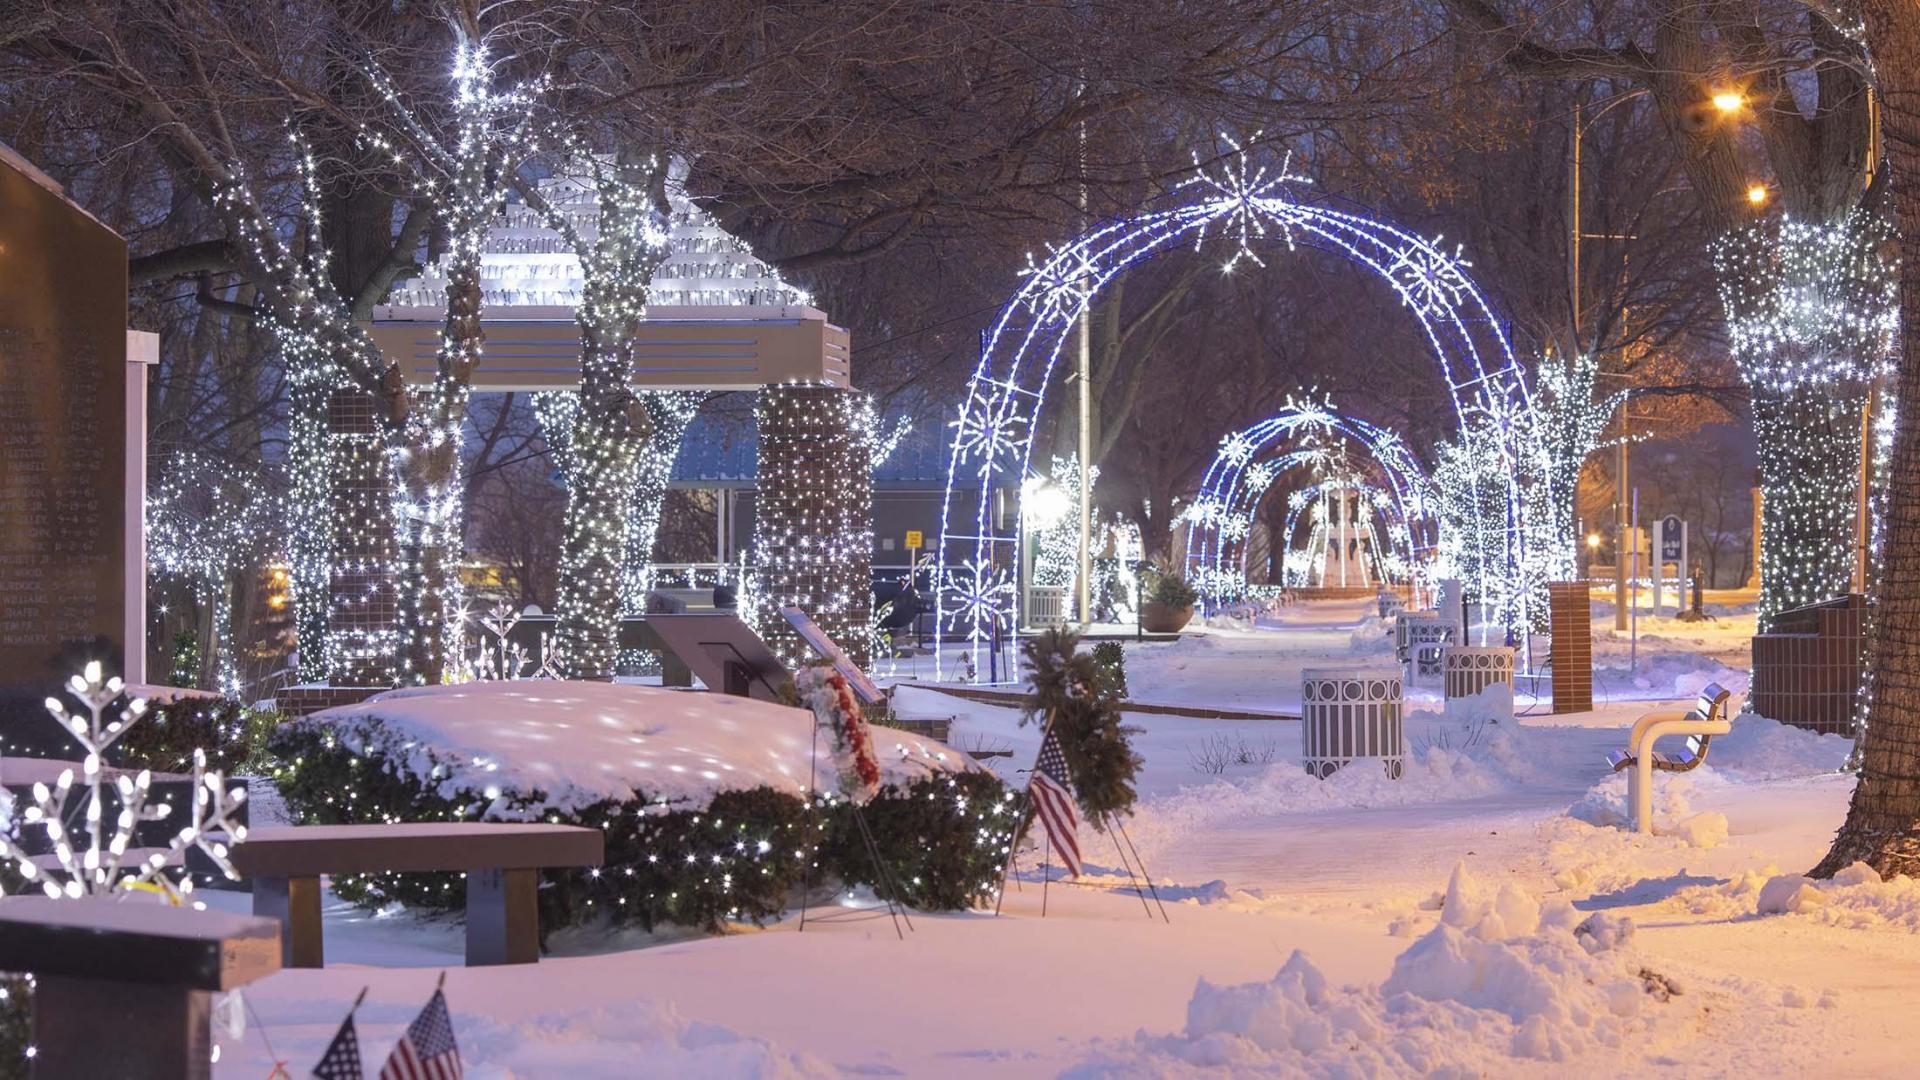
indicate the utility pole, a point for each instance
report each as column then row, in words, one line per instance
column 1624, row 537
column 1084, row 373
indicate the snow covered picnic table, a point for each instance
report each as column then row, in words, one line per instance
column 502, row 863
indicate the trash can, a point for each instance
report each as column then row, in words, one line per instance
column 1351, row 713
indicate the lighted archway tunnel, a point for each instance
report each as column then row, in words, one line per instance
column 1311, row 434
column 1253, row 207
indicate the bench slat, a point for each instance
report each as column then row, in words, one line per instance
column 418, row 847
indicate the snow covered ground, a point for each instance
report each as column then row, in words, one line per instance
column 1485, row 915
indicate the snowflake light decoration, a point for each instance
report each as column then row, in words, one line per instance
column 1204, row 512
column 975, row 598
column 1428, row 279
column 1059, row 287
column 1246, row 197
column 100, row 869
column 1258, row 477
column 1238, row 448
column 991, row 434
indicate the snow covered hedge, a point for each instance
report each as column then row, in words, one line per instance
column 701, row 798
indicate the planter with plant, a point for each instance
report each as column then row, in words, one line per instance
column 1169, row 604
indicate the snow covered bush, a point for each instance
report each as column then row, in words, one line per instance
column 701, row 798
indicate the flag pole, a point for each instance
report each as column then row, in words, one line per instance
column 1128, row 837
column 1107, row 820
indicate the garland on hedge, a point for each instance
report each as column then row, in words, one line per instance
column 736, row 859
column 835, row 711
column 1079, row 697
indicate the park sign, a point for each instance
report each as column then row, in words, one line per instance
column 64, row 488
column 1670, row 543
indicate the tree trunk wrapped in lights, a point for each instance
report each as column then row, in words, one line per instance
column 669, row 412
column 432, row 478
column 324, row 351
column 464, row 178
column 309, row 502
column 604, row 428
column 1811, row 310
column 813, row 516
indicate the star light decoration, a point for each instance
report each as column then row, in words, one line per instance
column 101, row 867
column 1245, row 198
column 1237, row 448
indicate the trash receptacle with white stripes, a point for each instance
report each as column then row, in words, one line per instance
column 1351, row 713
column 1470, row 669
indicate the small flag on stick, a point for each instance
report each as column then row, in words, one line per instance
column 1052, row 796
column 427, row 1050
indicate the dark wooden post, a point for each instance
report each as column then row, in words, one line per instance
column 126, row 989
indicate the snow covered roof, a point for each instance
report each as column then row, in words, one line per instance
column 526, row 264
column 581, row 742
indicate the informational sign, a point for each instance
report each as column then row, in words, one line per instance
column 63, row 421
column 915, row 540
column 724, row 652
column 817, row 639
column 1670, row 539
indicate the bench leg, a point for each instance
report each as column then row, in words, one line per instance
column 503, row 917
column 296, row 903
column 1640, row 789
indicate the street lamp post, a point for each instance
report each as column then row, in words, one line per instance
column 1728, row 101
column 1575, row 232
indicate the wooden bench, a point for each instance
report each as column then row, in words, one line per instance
column 502, row 863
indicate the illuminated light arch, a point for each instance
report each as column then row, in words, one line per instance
column 1218, row 521
column 1253, row 207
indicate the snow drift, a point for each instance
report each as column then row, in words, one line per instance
column 1503, row 977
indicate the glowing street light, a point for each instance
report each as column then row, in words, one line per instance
column 1044, row 502
column 1757, row 194
column 1729, row 101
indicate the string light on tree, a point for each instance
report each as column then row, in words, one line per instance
column 1812, row 311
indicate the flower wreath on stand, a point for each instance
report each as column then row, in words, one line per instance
column 836, row 712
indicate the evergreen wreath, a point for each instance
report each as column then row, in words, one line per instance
column 1070, row 688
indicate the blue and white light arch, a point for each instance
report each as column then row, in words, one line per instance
column 1252, row 207
column 1219, row 520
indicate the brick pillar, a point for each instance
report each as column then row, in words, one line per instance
column 1571, row 624
column 363, row 638
column 813, row 516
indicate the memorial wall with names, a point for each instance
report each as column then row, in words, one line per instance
column 63, row 341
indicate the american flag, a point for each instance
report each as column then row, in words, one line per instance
column 426, row 1051
column 1052, row 797
column 342, row 1059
